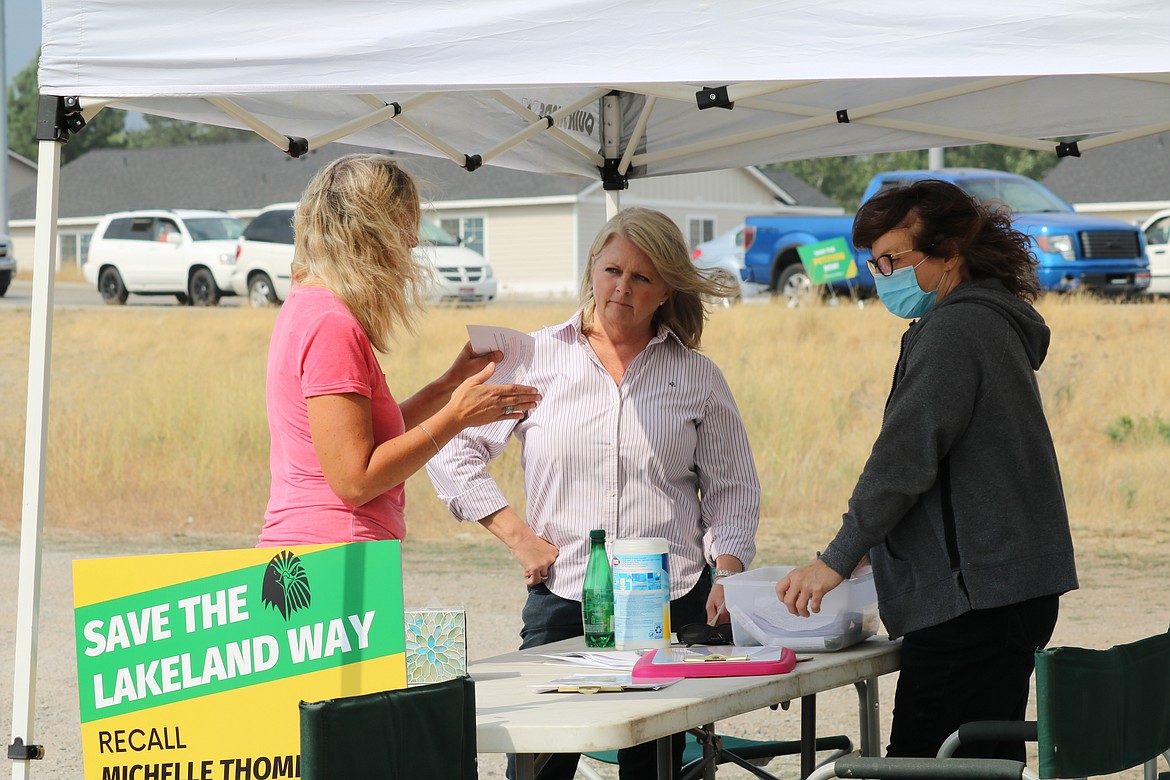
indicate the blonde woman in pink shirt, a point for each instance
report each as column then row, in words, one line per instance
column 341, row 446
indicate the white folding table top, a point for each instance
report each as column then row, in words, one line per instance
column 511, row 718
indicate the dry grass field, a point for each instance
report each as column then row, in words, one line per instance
column 157, row 422
column 158, row 443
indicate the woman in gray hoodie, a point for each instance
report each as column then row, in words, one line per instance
column 959, row 507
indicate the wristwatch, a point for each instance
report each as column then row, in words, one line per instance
column 721, row 573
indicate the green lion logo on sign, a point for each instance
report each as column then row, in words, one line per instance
column 286, row 584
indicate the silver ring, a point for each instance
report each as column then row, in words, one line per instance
column 508, row 409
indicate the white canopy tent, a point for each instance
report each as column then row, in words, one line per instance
column 606, row 89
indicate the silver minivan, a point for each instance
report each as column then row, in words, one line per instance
column 188, row 253
column 265, row 252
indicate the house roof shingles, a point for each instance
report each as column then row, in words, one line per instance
column 804, row 193
column 1134, row 171
column 250, row 175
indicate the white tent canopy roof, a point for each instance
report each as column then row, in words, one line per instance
column 460, row 78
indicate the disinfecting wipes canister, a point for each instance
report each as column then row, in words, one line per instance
column 641, row 593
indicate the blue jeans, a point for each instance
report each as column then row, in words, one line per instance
column 550, row 618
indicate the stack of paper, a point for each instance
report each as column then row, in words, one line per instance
column 611, row 659
column 601, row 683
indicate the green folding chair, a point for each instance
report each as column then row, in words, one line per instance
column 705, row 749
column 425, row 732
column 1098, row 712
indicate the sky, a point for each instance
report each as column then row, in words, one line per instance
column 22, row 34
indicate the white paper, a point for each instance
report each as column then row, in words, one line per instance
column 518, row 348
column 613, row 659
column 602, row 683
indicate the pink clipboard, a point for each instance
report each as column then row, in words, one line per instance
column 645, row 668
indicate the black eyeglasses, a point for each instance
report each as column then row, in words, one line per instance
column 705, row 634
column 884, row 264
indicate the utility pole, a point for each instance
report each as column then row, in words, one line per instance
column 3, row 128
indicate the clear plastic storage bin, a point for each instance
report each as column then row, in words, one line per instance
column 848, row 612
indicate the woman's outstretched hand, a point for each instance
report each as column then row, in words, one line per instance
column 476, row 403
column 467, row 364
column 802, row 589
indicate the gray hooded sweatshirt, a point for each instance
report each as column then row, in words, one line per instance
column 960, row 504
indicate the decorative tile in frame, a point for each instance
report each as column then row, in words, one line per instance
column 436, row 645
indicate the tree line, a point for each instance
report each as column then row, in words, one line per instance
column 841, row 178
column 107, row 130
column 844, row 178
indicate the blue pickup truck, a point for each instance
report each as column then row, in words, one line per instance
column 1075, row 251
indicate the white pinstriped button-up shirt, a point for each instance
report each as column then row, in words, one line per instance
column 664, row 453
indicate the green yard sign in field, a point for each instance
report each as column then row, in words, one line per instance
column 828, row 261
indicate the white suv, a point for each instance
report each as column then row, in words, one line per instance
column 265, row 252
column 186, row 253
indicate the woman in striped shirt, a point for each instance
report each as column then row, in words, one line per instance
column 636, row 433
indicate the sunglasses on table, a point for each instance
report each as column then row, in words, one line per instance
column 705, row 634
column 884, row 264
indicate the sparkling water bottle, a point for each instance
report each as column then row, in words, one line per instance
column 597, row 595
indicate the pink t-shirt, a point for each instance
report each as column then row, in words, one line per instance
column 319, row 348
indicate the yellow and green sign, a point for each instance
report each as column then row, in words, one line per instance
column 191, row 666
column 828, row 261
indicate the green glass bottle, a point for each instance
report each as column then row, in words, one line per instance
column 597, row 595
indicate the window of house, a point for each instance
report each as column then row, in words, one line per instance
column 71, row 248
column 470, row 229
column 700, row 229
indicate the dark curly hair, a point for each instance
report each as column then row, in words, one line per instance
column 946, row 221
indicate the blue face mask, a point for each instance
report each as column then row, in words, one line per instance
column 901, row 294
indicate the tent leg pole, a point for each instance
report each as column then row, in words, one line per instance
column 613, row 203
column 36, row 436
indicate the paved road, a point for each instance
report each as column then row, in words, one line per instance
column 82, row 294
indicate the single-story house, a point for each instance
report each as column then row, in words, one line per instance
column 1130, row 180
column 534, row 228
column 22, row 172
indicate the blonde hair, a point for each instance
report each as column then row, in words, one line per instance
column 660, row 240
column 355, row 227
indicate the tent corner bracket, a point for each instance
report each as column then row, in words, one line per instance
column 472, row 162
column 842, row 116
column 611, row 176
column 297, row 147
column 714, row 97
column 18, row 751
column 1068, row 149
column 58, row 118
